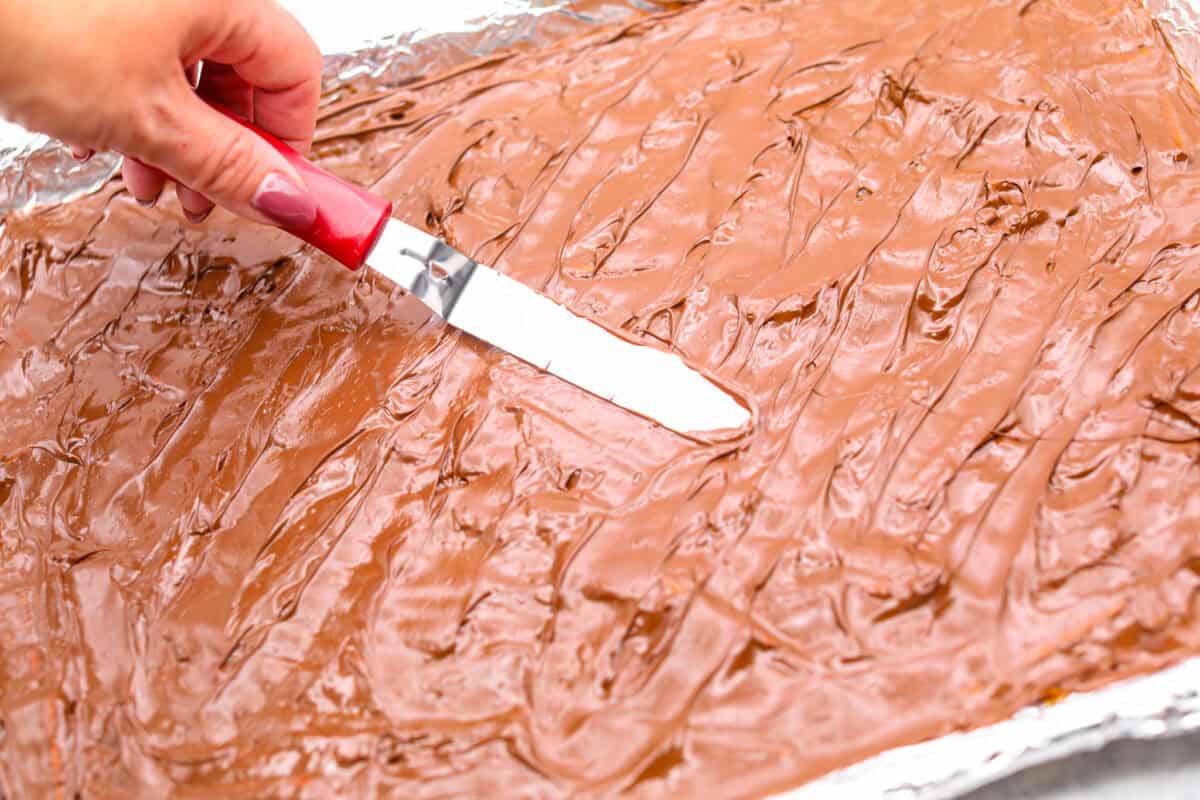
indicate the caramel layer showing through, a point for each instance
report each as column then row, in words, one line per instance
column 268, row 530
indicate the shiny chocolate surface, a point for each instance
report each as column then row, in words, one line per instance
column 269, row 530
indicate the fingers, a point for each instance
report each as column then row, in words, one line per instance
column 261, row 64
column 258, row 62
column 267, row 48
column 142, row 182
column 218, row 159
column 219, row 84
column 196, row 207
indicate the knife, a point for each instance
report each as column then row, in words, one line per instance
column 355, row 227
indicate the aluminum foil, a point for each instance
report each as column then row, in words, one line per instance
column 396, row 42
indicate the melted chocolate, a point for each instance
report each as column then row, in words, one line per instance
column 267, row 530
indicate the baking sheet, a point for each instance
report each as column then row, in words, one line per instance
column 36, row 171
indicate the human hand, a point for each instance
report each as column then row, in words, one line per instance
column 116, row 75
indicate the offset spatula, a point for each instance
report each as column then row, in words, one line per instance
column 355, row 227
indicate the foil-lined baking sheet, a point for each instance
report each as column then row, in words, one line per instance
column 36, row 171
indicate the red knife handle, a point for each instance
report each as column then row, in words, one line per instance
column 349, row 218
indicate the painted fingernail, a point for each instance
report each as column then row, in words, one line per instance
column 147, row 203
column 285, row 203
column 195, row 218
column 82, row 155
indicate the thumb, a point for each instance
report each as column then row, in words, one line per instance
column 230, row 165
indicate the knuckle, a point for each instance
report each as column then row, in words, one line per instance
column 104, row 134
column 156, row 121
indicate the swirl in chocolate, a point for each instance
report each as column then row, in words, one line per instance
column 268, row 530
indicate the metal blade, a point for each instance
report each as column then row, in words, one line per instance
column 535, row 329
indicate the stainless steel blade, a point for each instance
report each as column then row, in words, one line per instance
column 518, row 320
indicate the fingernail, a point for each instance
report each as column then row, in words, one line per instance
column 285, row 203
column 147, row 203
column 82, row 155
column 195, row 218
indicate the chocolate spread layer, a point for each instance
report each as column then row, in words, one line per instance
column 269, row 530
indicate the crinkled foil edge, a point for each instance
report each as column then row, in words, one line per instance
column 35, row 171
column 1157, row 706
